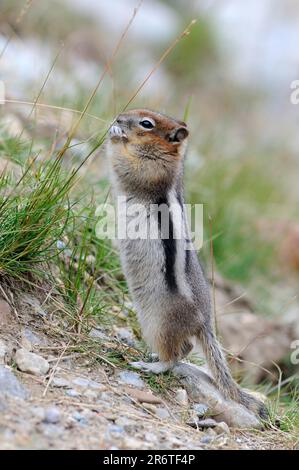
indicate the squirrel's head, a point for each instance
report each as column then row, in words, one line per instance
column 147, row 149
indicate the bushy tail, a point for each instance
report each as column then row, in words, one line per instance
column 222, row 375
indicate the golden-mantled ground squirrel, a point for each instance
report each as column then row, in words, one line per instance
column 146, row 151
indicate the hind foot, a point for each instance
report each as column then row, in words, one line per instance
column 154, row 367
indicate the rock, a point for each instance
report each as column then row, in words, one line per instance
column 52, row 415
column 60, row 382
column 3, row 352
column 131, row 378
column 72, row 393
column 143, row 397
column 162, row 413
column 31, row 363
column 84, row 383
column 181, row 397
column 77, row 416
column 207, row 423
column 201, row 389
column 10, row 385
column 5, row 312
column 200, row 409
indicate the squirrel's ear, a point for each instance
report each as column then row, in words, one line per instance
column 178, row 135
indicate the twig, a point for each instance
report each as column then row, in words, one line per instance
column 54, row 369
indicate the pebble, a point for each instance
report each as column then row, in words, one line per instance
column 131, row 378
column 10, row 385
column 98, row 334
column 72, row 393
column 52, row 415
column 200, row 409
column 77, row 416
column 115, row 429
column 31, row 362
column 60, row 382
column 181, row 397
column 162, row 413
column 207, row 423
column 86, row 383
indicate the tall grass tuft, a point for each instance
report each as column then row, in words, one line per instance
column 33, row 214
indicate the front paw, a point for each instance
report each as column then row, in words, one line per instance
column 116, row 134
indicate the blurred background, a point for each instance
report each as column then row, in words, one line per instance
column 231, row 76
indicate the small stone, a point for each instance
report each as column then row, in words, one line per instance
column 222, row 428
column 60, row 245
column 131, row 378
column 98, row 334
column 5, row 312
column 162, row 413
column 207, row 423
column 52, row 415
column 81, row 382
column 77, row 416
column 181, row 397
column 84, row 383
column 9, row 384
column 31, row 363
column 200, row 409
column 60, row 382
column 72, row 393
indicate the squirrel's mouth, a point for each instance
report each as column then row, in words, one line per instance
column 117, row 134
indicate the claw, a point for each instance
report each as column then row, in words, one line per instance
column 116, row 133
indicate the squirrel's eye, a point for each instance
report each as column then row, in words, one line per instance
column 146, row 124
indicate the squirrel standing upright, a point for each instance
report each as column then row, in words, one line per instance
column 146, row 151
